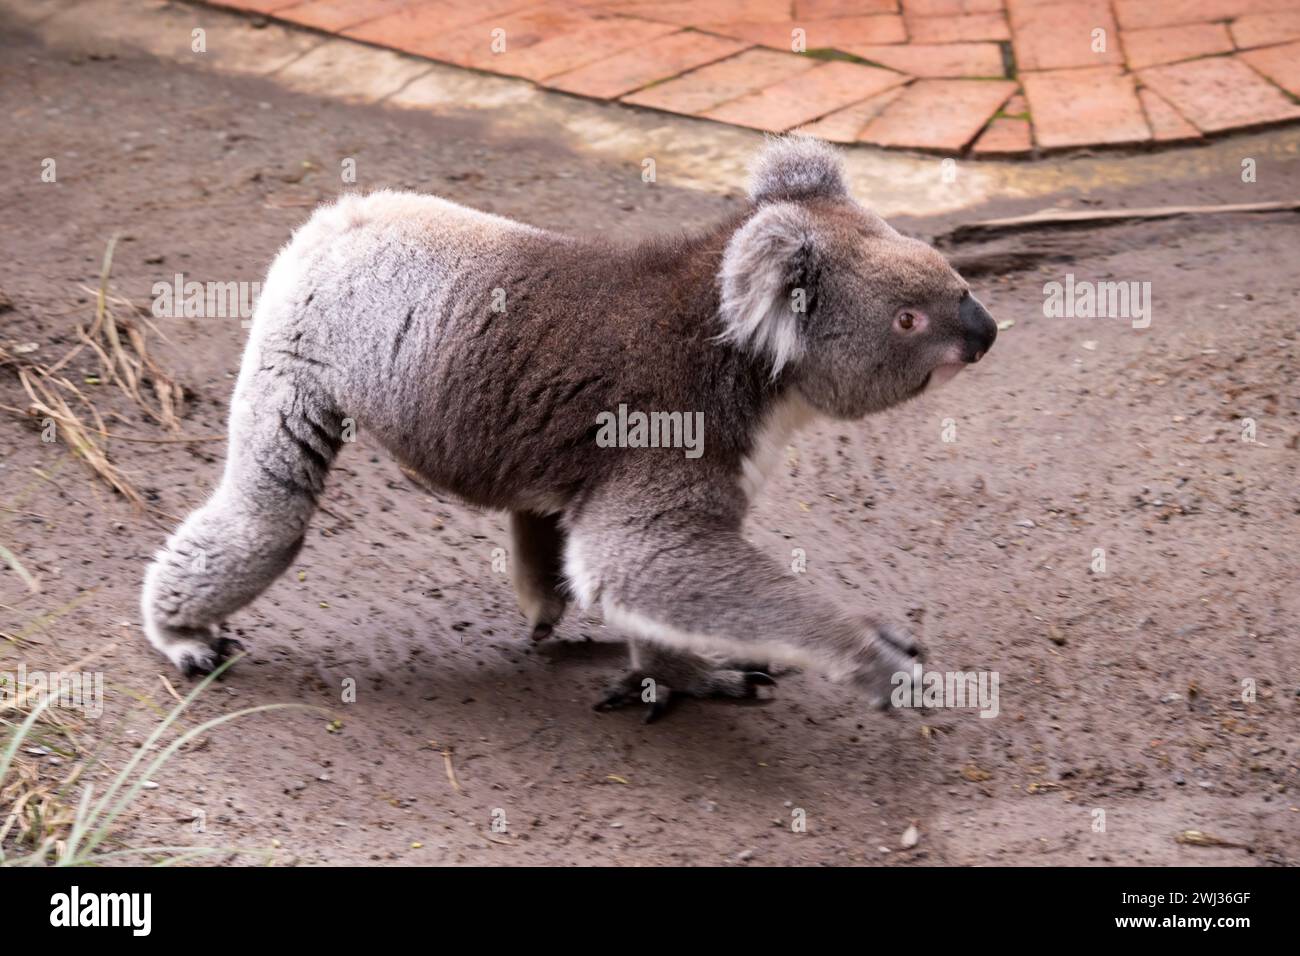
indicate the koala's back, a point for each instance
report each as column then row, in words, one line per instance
column 480, row 350
column 352, row 275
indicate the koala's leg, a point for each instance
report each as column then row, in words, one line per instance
column 283, row 439
column 668, row 570
column 537, row 570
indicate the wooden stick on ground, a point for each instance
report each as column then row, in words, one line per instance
column 1060, row 218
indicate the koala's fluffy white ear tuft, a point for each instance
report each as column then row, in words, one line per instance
column 794, row 168
column 767, row 280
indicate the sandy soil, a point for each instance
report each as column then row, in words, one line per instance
column 1119, row 691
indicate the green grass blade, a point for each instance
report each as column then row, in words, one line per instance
column 11, row 559
column 20, row 734
column 103, row 822
column 153, row 738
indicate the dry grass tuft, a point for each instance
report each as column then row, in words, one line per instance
column 35, row 802
column 36, row 811
column 118, row 337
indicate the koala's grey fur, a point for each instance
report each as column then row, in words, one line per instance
column 381, row 310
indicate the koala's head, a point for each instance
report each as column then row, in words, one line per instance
column 854, row 315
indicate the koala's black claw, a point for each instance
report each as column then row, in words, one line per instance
column 541, row 632
column 655, row 709
column 902, row 641
column 223, row 649
column 629, row 691
column 626, row 691
column 723, row 684
column 193, row 669
column 229, row 646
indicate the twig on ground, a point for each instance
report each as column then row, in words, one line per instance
column 451, row 771
column 1057, row 218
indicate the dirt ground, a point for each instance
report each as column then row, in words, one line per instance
column 1120, row 691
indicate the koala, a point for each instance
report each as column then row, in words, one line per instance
column 485, row 354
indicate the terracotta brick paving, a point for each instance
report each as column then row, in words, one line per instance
column 1167, row 124
column 1055, row 36
column 1096, row 104
column 937, row 60
column 335, row 16
column 988, row 78
column 843, row 126
column 1220, row 93
column 1135, row 14
column 1263, row 29
column 699, row 91
column 958, row 28
column 1157, row 45
column 803, row 98
column 938, row 114
column 633, row 69
column 1004, row 136
column 817, row 34
column 1281, row 64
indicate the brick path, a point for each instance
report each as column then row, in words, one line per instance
column 988, row 77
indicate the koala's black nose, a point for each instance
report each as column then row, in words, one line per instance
column 978, row 326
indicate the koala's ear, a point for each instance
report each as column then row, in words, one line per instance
column 797, row 167
column 768, row 281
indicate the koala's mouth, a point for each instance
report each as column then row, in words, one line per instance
column 942, row 374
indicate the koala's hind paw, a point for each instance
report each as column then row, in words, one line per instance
column 639, row 687
column 770, row 668
column 633, row 688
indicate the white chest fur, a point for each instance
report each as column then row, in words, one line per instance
column 779, row 424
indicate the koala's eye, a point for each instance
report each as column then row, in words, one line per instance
column 911, row 321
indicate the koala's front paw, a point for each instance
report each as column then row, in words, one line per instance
column 886, row 651
column 223, row 650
